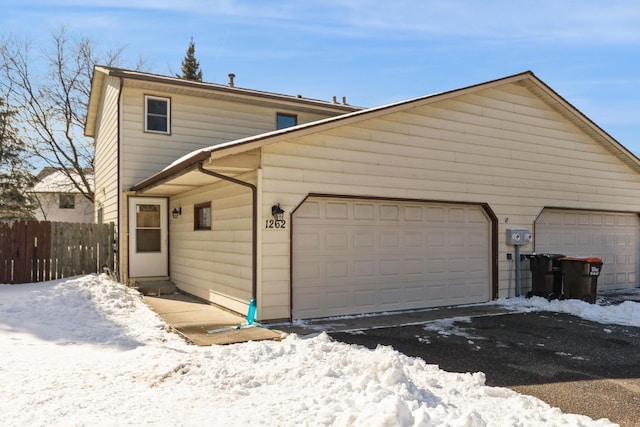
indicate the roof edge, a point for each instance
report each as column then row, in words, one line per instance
column 177, row 168
column 571, row 109
column 251, row 142
column 158, row 78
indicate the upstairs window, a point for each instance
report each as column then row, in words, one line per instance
column 202, row 216
column 157, row 114
column 67, row 201
column 285, row 120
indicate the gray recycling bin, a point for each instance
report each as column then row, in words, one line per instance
column 546, row 276
column 580, row 277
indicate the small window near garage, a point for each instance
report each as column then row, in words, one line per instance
column 202, row 216
column 157, row 114
column 67, row 201
column 285, row 120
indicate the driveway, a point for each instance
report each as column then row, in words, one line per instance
column 579, row 366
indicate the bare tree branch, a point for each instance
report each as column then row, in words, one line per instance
column 52, row 104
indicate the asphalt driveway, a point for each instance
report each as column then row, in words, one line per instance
column 577, row 365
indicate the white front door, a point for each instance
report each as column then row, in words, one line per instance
column 148, row 237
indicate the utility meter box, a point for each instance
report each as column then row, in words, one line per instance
column 519, row 236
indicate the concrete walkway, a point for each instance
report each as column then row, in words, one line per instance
column 192, row 319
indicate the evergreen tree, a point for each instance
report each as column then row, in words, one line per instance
column 190, row 65
column 14, row 177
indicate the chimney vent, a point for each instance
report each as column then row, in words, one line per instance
column 231, row 77
column 344, row 100
column 335, row 99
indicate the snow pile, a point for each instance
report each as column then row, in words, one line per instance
column 626, row 313
column 87, row 351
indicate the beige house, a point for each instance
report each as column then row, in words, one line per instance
column 402, row 206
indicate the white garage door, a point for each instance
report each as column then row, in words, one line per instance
column 355, row 256
column 614, row 237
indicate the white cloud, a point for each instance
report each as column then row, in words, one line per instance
column 546, row 21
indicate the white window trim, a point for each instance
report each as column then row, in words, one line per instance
column 146, row 114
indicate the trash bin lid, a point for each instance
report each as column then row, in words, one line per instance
column 543, row 255
column 552, row 256
column 591, row 260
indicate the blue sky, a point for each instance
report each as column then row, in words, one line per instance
column 371, row 51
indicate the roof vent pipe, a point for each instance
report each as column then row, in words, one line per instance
column 344, row 100
column 335, row 99
column 231, row 77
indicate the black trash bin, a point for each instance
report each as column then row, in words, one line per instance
column 546, row 277
column 580, row 277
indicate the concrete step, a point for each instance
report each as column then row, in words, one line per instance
column 156, row 287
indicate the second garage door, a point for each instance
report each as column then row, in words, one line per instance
column 613, row 237
column 353, row 256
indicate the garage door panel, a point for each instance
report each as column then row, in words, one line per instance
column 307, row 240
column 390, row 267
column 414, row 294
column 336, row 210
column 390, row 296
column 477, row 265
column 308, row 271
column 613, row 237
column 365, row 298
column 337, row 269
column 363, row 211
column 413, row 267
column 435, row 214
column 337, row 301
column 369, row 263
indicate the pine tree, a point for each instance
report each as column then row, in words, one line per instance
column 15, row 203
column 190, row 65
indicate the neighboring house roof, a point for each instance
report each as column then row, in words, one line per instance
column 212, row 90
column 51, row 180
column 190, row 162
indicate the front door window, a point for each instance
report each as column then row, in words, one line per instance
column 148, row 230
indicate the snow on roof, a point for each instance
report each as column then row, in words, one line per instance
column 58, row 182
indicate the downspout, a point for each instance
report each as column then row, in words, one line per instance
column 118, row 178
column 254, row 237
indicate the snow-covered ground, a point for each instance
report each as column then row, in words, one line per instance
column 88, row 351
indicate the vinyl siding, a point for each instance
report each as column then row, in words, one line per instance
column 214, row 264
column 106, row 153
column 502, row 146
column 196, row 123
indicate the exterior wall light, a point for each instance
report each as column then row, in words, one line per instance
column 277, row 212
column 176, row 212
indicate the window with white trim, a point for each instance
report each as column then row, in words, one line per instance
column 157, row 114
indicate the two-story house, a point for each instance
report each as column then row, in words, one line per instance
column 143, row 122
column 319, row 208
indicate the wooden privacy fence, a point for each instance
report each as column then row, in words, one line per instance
column 32, row 251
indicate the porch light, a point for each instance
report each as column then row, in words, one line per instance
column 277, row 212
column 176, row 212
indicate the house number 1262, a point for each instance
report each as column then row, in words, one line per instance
column 276, row 223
